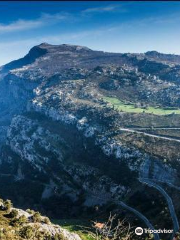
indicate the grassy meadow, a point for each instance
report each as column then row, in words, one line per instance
column 131, row 108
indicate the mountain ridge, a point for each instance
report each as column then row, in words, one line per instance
column 42, row 49
column 72, row 126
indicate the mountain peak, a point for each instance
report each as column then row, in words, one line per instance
column 33, row 54
column 152, row 53
column 44, row 45
column 63, row 47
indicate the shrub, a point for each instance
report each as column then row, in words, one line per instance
column 26, row 232
column 46, row 220
column 18, row 221
column 13, row 213
column 30, row 211
column 58, row 236
column 7, row 205
column 36, row 217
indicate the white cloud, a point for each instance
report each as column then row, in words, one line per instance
column 108, row 8
column 43, row 20
column 100, row 9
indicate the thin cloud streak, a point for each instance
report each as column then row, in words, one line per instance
column 21, row 24
column 108, row 8
column 78, row 35
column 50, row 19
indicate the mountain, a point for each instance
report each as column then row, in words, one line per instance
column 33, row 54
column 154, row 55
column 83, row 128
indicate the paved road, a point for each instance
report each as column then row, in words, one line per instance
column 142, row 217
column 155, row 128
column 168, row 200
column 149, row 134
column 173, row 186
column 168, row 183
column 137, row 213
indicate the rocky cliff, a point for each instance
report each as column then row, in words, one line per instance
column 64, row 147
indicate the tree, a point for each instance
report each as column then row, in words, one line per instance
column 113, row 229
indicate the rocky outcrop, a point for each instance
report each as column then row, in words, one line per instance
column 19, row 224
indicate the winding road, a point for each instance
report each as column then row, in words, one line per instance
column 168, row 200
column 173, row 186
column 168, row 183
column 156, row 128
column 136, row 212
column 149, row 134
column 142, row 217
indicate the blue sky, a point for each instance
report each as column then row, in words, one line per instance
column 108, row 26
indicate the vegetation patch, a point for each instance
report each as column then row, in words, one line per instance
column 133, row 108
column 79, row 226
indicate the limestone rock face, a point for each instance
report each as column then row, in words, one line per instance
column 61, row 139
